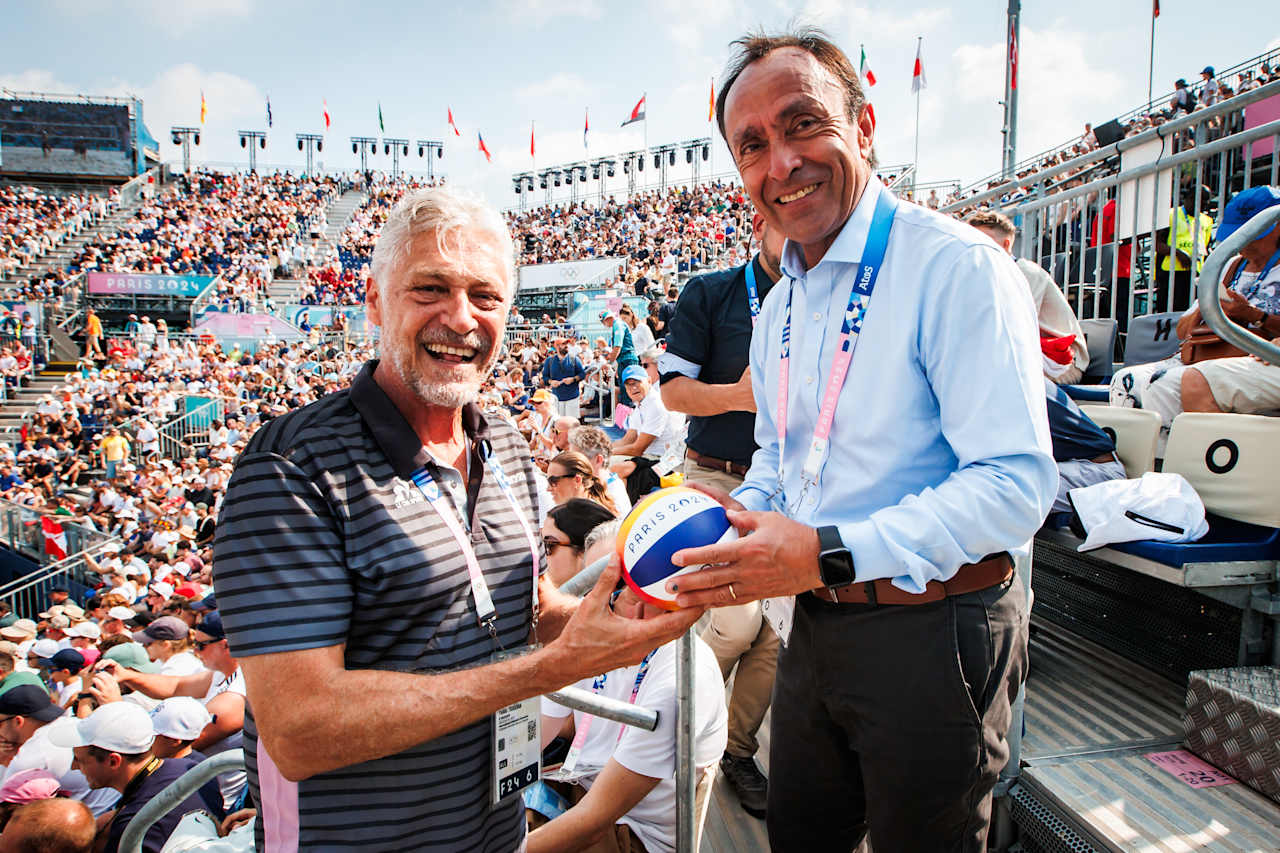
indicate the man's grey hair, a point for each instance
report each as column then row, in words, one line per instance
column 445, row 211
column 651, row 354
column 602, row 531
column 591, row 442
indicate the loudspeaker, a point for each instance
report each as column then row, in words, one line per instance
column 1108, row 133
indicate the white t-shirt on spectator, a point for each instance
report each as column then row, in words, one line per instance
column 617, row 490
column 653, row 418
column 183, row 663
column 229, row 783
column 653, row 754
column 38, row 753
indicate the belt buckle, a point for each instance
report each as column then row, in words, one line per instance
column 728, row 466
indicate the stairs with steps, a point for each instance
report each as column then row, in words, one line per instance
column 287, row 290
column 21, row 401
column 61, row 255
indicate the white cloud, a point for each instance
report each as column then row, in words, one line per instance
column 851, row 24
column 562, row 84
column 689, row 23
column 35, row 80
column 174, row 18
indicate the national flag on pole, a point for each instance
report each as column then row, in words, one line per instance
column 55, row 538
column 326, row 115
column 1013, row 56
column 268, row 112
column 204, row 107
column 483, row 150
column 456, row 132
column 637, row 112
column 711, row 107
column 1155, row 8
column 531, row 148
column 864, row 70
column 917, row 75
column 586, row 125
column 381, row 127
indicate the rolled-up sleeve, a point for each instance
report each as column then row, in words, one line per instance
column 978, row 345
column 279, row 561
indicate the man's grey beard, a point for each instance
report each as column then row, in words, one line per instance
column 450, row 395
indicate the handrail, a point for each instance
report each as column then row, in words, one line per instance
column 1211, row 274
column 204, row 298
column 177, row 792
column 1104, row 152
column 51, row 570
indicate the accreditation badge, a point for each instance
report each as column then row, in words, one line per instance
column 517, row 743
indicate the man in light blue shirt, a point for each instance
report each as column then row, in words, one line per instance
column 906, row 637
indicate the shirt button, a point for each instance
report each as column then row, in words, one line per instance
column 816, row 317
column 808, row 380
column 812, row 499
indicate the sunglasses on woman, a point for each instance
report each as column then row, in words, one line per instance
column 552, row 544
column 552, row 479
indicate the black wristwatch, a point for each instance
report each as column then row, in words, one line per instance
column 835, row 563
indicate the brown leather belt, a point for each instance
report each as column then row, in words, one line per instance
column 713, row 464
column 971, row 577
column 1104, row 458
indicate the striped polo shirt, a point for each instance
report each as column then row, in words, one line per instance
column 324, row 539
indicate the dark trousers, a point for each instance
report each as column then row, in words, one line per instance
column 892, row 720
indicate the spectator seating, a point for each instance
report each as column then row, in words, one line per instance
column 1100, row 336
column 1134, row 431
column 1232, row 461
column 1150, row 338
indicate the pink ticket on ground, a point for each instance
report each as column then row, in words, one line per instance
column 1190, row 769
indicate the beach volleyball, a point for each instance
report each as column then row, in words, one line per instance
column 667, row 521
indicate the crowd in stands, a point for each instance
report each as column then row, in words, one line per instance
column 33, row 223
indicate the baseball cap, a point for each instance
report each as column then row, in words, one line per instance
column 124, row 614
column 55, row 610
column 162, row 589
column 189, row 590
column 542, row 395
column 1244, row 207
column 209, row 602
column 116, row 727
column 9, row 647
column 634, row 371
column 74, row 612
column 68, row 659
column 180, row 717
column 212, row 626
column 164, row 628
column 43, row 649
column 23, row 629
column 62, row 622
column 1208, row 69
column 17, row 679
column 28, row 786
column 131, row 656
column 88, row 630
column 29, row 700
column 8, row 619
column 605, row 315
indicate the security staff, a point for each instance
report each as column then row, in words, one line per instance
column 904, row 455
column 705, row 375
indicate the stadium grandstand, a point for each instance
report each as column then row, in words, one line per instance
column 153, row 320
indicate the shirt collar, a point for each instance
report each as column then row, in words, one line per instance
column 397, row 439
column 849, row 243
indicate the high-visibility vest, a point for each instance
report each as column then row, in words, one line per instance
column 1184, row 238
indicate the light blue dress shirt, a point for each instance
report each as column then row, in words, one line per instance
column 940, row 451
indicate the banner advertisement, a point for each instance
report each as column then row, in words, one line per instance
column 569, row 274
column 137, row 284
column 321, row 316
column 254, row 326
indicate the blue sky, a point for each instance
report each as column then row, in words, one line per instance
column 502, row 64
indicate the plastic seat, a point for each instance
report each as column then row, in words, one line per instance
column 1232, row 461
column 1151, row 338
column 1135, row 432
column 1100, row 338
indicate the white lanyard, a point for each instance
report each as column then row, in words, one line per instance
column 859, row 298
column 486, row 613
column 584, row 725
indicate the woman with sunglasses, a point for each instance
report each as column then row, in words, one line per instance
column 564, row 534
column 641, row 334
column 570, row 475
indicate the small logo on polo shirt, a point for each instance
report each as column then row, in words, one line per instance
column 405, row 494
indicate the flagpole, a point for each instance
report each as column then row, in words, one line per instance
column 915, row 167
column 1151, row 63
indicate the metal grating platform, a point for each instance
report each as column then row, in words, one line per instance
column 1166, row 628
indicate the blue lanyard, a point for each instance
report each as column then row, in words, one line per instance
column 753, row 295
column 1257, row 282
column 864, row 283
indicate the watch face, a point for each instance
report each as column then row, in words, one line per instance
column 836, row 568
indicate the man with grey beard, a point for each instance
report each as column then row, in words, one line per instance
column 376, row 567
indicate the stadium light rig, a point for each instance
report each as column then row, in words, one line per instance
column 425, row 147
column 185, row 136
column 311, row 143
column 364, row 146
column 696, row 151
column 395, row 147
column 248, row 138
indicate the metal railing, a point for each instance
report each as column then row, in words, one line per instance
column 205, row 298
column 20, row 530
column 171, row 797
column 186, row 435
column 1062, row 231
column 27, row 596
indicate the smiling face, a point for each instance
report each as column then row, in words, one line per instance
column 802, row 160
column 443, row 315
